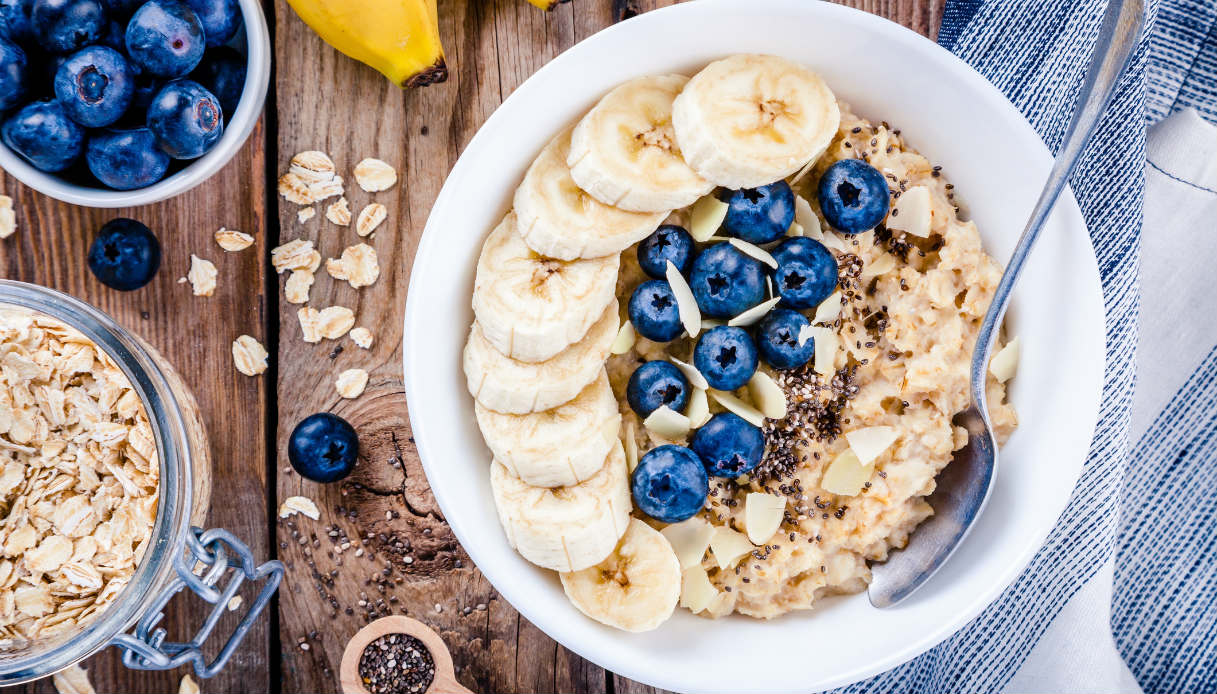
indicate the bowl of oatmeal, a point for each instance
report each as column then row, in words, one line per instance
column 904, row 320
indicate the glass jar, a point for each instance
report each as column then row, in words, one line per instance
column 177, row 547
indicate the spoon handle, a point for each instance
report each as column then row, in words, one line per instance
column 1122, row 25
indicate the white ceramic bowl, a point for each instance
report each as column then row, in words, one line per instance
column 237, row 127
column 952, row 115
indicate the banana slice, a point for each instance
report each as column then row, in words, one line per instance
column 531, row 307
column 624, row 152
column 749, row 120
column 559, row 220
column 558, row 447
column 568, row 528
column 636, row 588
column 508, row 385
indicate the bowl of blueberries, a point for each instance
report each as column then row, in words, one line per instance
column 117, row 103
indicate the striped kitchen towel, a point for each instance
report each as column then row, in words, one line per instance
column 1123, row 596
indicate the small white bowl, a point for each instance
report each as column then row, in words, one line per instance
column 237, row 127
column 998, row 163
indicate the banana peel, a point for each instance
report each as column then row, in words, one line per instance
column 399, row 38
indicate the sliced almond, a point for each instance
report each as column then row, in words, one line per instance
column 869, row 443
column 698, row 410
column 708, row 323
column 738, row 407
column 351, row 383
column 667, row 423
column 1004, row 364
column 249, row 356
column 912, row 212
column 828, row 343
column 754, row 251
column 706, row 217
column 686, row 304
column 689, row 539
column 630, row 444
column 755, row 314
column 232, row 240
column 805, row 217
column 846, row 474
column 882, row 265
column 829, row 309
column 763, row 515
column 299, row 504
column 696, row 590
column 695, row 377
column 374, row 175
column 339, row 212
column 369, row 218
column 728, row 546
column 769, row 397
column 625, row 339
column 795, row 229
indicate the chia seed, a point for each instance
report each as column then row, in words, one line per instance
column 396, row 664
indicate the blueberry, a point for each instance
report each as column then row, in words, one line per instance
column 668, row 242
column 63, row 26
column 670, row 484
column 323, row 447
column 777, row 338
column 223, row 73
column 760, row 215
column 726, row 282
column 853, row 196
column 728, row 445
column 165, row 38
column 655, row 384
column 121, row 9
column 126, row 159
column 125, row 255
column 220, row 19
column 186, row 119
column 806, row 274
column 14, row 74
column 43, row 134
column 653, row 311
column 726, row 356
column 16, row 23
column 95, row 86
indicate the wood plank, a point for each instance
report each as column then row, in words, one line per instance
column 195, row 335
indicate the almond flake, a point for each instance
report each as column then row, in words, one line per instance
column 763, row 515
column 1004, row 364
column 339, row 212
column 695, row 377
column 690, row 539
column 769, row 397
column 755, row 314
column 754, row 251
column 686, row 303
column 234, row 603
column 305, row 213
column 739, row 407
column 630, row 444
column 232, row 240
column 310, row 323
column 358, row 266
column 294, row 255
column 294, row 189
column 8, row 220
column 374, row 175
column 350, row 383
column 706, row 217
column 297, row 287
column 202, row 276
column 912, row 212
column 728, row 546
column 370, row 217
column 625, row 339
column 336, row 321
column 869, row 443
column 846, row 474
column 249, row 355
column 698, row 410
column 696, row 590
column 362, row 337
column 312, row 167
column 299, row 504
column 667, row 423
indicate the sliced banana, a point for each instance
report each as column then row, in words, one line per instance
column 749, row 120
column 558, row 447
column 508, row 385
column 567, row 528
column 636, row 588
column 531, row 307
column 624, row 152
column 559, row 220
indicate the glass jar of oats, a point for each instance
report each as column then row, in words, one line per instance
column 104, row 484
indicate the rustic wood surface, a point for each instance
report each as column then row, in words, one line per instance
column 411, row 563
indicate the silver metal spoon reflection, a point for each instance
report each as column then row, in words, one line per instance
column 964, row 485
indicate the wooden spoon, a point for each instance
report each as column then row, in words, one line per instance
column 445, row 675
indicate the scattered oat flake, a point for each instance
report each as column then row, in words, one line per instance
column 370, row 217
column 336, row 268
column 305, row 213
column 358, row 265
column 339, row 212
column 234, row 603
column 8, row 219
column 350, row 383
column 202, row 276
column 232, row 240
column 299, row 504
column 297, row 287
column 322, row 190
column 188, row 685
column 335, row 321
column 294, row 189
column 312, row 166
column 249, row 355
column 374, row 175
column 310, row 323
column 294, row 255
column 73, row 680
column 362, row 337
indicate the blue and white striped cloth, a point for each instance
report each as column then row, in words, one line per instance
column 1123, row 596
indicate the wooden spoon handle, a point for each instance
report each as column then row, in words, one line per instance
column 445, row 683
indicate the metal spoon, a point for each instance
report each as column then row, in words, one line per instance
column 964, row 485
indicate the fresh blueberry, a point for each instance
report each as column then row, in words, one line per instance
column 323, row 447
column 655, row 384
column 165, row 38
column 16, row 22
column 806, row 274
column 726, row 356
column 63, row 26
column 670, row 484
column 728, row 445
column 653, row 311
column 186, row 119
column 126, row 159
column 223, row 73
column 668, row 243
column 95, row 86
column 726, row 282
column 220, row 19
column 760, row 215
column 125, row 255
column 43, row 134
column 14, row 74
column 777, row 338
column 853, row 196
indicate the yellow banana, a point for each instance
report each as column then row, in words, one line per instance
column 547, row 4
column 400, row 38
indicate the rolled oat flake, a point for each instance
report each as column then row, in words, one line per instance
column 396, row 664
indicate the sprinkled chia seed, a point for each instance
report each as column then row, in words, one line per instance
column 396, row 664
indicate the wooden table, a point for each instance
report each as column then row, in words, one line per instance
column 322, row 100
